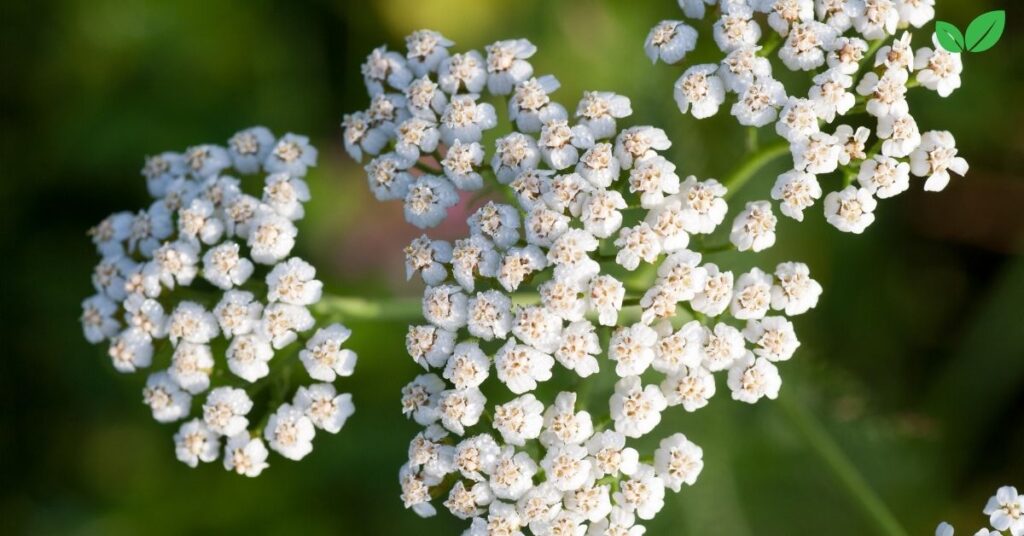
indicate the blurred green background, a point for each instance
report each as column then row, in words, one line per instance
column 912, row 364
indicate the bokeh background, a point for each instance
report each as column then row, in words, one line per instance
column 911, row 369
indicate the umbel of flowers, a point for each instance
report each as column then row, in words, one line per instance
column 848, row 124
column 200, row 290
column 1005, row 511
column 596, row 268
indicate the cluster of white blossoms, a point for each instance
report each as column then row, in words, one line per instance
column 1005, row 511
column 859, row 60
column 586, row 270
column 201, row 285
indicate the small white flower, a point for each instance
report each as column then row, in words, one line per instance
column 817, row 153
column 387, row 177
column 529, row 188
column 531, row 103
column 1006, row 510
column 194, row 443
column 323, row 405
column 416, row 136
column 497, row 222
column 742, row 66
column 563, row 425
column 285, row 193
column 752, row 378
column 851, row 209
column 635, row 143
column 935, row 158
column 467, row 367
column 163, row 396
column 475, row 456
column 98, row 320
column 752, row 295
column 579, row 348
column 601, row 214
column 783, row 13
column 804, row 49
column 669, row 223
column 700, row 89
column 198, row 222
column 887, row 93
column 897, row 56
column 416, row 491
column 245, row 455
column 248, row 356
column 830, row 94
column 429, row 346
column 543, row 226
column 519, row 419
column 562, row 297
column 384, row 66
column 427, row 257
column 462, row 71
column 723, row 345
column 682, row 348
column 225, row 267
column 465, row 503
column 690, row 386
column 653, row 177
column 474, row 257
column 560, row 144
column 460, row 408
column 460, row 164
column 282, row 322
column 678, row 461
column 418, row 399
column 272, row 238
column 512, row 476
column 514, row 154
column 428, row 200
column 192, row 323
column 537, row 327
column 773, row 337
column 539, row 507
column 605, row 296
column 754, row 228
column 521, row 367
column 621, row 521
column 518, row 264
column 293, row 282
column 465, row 119
column 938, row 70
column 566, row 467
column 639, row 243
column 643, row 493
column 445, row 307
column 900, row 133
column 161, row 170
column 916, row 12
column 292, row 154
column 846, row 53
column 759, row 102
column 173, row 263
column 636, row 409
column 851, row 143
column 736, row 28
column 796, row 191
column 884, row 176
column 598, row 110
column 489, row 315
column 507, row 65
column 206, row 160
column 323, row 356
column 611, row 455
column 632, row 349
column 425, row 50
column 879, row 19
column 670, row 41
column 290, row 432
column 798, row 119
column 714, row 298
column 703, row 205
column 795, row 292
column 191, row 365
column 599, row 166
column 225, row 409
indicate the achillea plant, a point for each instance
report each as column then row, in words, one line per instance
column 573, row 315
column 200, row 286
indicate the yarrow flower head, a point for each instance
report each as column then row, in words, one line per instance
column 540, row 292
column 854, row 122
column 208, row 225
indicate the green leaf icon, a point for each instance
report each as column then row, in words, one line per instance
column 949, row 36
column 984, row 32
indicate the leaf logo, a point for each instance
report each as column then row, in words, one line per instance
column 982, row 33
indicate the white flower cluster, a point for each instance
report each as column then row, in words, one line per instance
column 1005, row 511
column 840, row 44
column 205, row 271
column 592, row 204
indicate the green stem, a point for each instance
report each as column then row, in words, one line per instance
column 735, row 181
column 406, row 309
column 842, row 468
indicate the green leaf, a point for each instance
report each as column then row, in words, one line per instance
column 984, row 32
column 949, row 36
